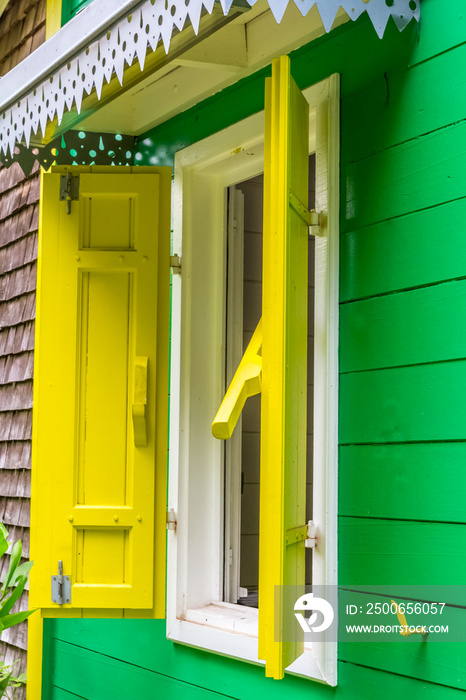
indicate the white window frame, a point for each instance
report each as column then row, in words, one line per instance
column 195, row 614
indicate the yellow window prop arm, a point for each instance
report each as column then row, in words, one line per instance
column 246, row 382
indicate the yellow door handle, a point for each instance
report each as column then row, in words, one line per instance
column 140, row 401
column 246, row 382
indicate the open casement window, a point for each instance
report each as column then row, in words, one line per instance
column 203, row 583
column 101, row 393
column 275, row 362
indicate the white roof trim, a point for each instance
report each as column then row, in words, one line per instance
column 74, row 37
column 77, row 59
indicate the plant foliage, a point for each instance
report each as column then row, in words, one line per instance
column 10, row 591
column 8, row 681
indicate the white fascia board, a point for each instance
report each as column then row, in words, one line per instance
column 72, row 38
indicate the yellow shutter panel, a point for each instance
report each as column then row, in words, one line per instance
column 284, row 366
column 101, row 391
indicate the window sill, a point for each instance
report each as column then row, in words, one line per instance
column 226, row 616
column 231, row 630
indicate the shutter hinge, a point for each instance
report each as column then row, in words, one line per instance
column 69, row 190
column 311, row 218
column 314, row 226
column 171, row 519
column 175, row 264
column 61, row 587
column 311, row 540
column 303, row 532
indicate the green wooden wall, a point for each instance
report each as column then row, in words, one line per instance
column 403, row 368
column 70, row 8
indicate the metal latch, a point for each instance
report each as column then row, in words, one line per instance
column 171, row 519
column 61, row 587
column 175, row 264
column 69, row 190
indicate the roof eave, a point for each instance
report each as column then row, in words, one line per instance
column 72, row 38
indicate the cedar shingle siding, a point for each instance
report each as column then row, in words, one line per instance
column 22, row 29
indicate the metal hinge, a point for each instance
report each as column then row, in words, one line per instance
column 314, row 226
column 171, row 519
column 175, row 264
column 61, row 587
column 69, row 190
column 303, row 532
column 311, row 218
column 311, row 540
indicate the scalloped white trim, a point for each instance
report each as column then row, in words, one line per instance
column 148, row 24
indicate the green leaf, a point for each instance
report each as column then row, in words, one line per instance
column 11, row 600
column 15, row 558
column 3, row 540
column 15, row 618
column 22, row 570
column 4, row 682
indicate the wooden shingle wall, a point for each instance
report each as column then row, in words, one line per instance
column 22, row 29
column 19, row 210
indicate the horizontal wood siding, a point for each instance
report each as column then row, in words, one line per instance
column 402, row 340
column 375, row 265
column 82, row 649
column 417, row 327
column 403, row 477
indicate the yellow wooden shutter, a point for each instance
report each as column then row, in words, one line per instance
column 101, row 391
column 284, row 367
